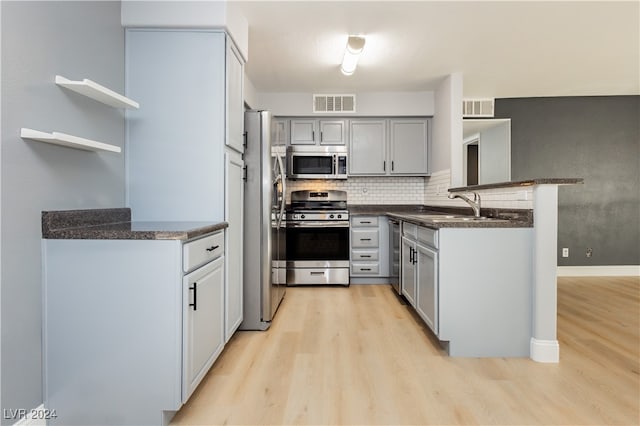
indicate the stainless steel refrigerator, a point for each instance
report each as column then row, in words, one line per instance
column 264, row 223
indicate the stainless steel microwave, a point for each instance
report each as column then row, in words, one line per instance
column 317, row 162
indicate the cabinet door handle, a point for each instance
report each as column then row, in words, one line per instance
column 384, row 166
column 320, row 136
column 392, row 166
column 313, row 135
column 212, row 248
column 244, row 173
column 415, row 257
column 411, row 255
column 195, row 296
column 244, row 137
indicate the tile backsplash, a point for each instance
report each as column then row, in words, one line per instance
column 368, row 190
column 432, row 190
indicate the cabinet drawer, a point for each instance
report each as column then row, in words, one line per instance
column 409, row 230
column 364, row 221
column 365, row 268
column 364, row 238
column 365, row 255
column 199, row 252
column 428, row 236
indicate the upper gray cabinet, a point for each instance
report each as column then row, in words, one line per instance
column 235, row 100
column 318, row 132
column 190, row 84
column 367, row 150
column 399, row 147
column 409, row 146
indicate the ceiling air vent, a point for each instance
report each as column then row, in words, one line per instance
column 334, row 103
column 477, row 107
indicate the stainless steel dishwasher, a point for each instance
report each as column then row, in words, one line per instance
column 394, row 255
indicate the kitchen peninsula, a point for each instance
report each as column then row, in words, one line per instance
column 493, row 291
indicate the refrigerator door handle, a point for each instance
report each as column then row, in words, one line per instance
column 283, row 200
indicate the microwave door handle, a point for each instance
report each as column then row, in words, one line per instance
column 334, row 165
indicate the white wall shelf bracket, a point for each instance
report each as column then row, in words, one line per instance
column 69, row 141
column 93, row 90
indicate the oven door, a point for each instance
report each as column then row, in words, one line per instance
column 322, row 244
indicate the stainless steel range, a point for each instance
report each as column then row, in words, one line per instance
column 318, row 238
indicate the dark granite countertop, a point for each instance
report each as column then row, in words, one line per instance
column 448, row 217
column 530, row 182
column 116, row 224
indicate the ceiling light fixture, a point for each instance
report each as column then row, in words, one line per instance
column 355, row 44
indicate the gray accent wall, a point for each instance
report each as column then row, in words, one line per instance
column 598, row 139
column 39, row 40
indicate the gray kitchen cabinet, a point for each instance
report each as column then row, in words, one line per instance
column 130, row 327
column 471, row 287
column 203, row 325
column 234, row 98
column 426, row 300
column 369, row 246
column 409, row 146
column 234, row 216
column 306, row 131
column 367, row 147
column 184, row 146
column 408, row 270
column 399, row 147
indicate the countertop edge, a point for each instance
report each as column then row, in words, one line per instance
column 529, row 182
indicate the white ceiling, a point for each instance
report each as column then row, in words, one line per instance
column 503, row 48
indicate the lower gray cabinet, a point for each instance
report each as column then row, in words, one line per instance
column 130, row 327
column 369, row 246
column 202, row 323
column 427, row 285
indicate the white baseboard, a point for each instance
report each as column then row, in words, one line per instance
column 599, row 271
column 33, row 418
column 544, row 350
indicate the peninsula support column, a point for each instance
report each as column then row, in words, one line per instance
column 544, row 342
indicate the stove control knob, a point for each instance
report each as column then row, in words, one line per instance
column 331, row 216
column 339, row 216
column 302, row 216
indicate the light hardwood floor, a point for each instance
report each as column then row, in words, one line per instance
column 358, row 356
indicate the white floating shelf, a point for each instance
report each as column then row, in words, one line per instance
column 95, row 91
column 67, row 140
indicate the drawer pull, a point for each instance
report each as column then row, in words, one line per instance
column 365, row 221
column 195, row 296
column 212, row 248
column 365, row 239
column 365, row 255
column 365, row 269
column 317, row 273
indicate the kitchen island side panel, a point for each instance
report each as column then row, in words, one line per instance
column 112, row 330
column 485, row 291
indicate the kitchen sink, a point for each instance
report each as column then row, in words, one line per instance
column 439, row 218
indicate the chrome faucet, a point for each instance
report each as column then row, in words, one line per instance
column 475, row 203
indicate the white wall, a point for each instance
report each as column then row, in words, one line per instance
column 250, row 94
column 367, row 104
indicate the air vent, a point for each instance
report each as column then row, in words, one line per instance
column 477, row 107
column 334, row 103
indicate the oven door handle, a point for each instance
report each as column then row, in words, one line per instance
column 317, row 224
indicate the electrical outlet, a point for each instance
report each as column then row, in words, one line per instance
column 565, row 252
column 589, row 252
